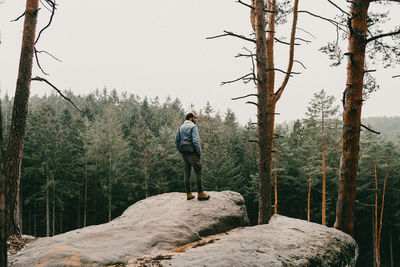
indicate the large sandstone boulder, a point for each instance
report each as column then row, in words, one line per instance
column 154, row 224
column 282, row 242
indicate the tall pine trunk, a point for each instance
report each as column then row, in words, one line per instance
column 352, row 102
column 266, row 95
column 109, row 189
column 19, row 115
column 308, row 198
column 3, row 214
column 54, row 210
column 85, row 190
column 276, row 184
column 264, row 155
column 47, row 203
column 323, row 170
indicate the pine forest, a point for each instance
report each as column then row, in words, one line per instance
column 86, row 168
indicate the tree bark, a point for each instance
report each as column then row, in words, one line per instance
column 276, row 184
column 47, row 203
column 20, row 112
column 3, row 214
column 323, row 171
column 308, row 198
column 264, row 154
column 352, row 117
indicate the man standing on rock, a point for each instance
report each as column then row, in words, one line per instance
column 187, row 142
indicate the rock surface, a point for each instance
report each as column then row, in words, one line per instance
column 282, row 242
column 154, row 224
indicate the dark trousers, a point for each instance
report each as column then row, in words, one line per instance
column 189, row 161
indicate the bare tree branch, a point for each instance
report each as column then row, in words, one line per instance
column 53, row 6
column 45, row 6
column 338, row 7
column 333, row 22
column 43, row 51
column 227, row 33
column 309, row 33
column 251, row 102
column 55, row 88
column 14, row 20
column 283, row 42
column 396, row 76
column 37, row 61
column 365, row 127
column 238, row 79
column 304, row 40
column 300, row 63
column 383, row 35
column 367, row 71
column 241, row 97
column 249, row 6
column 284, row 72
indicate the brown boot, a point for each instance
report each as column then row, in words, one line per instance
column 189, row 196
column 203, row 196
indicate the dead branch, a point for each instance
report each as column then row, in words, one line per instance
column 309, row 33
column 241, row 97
column 249, row 6
column 333, row 22
column 43, row 51
column 53, row 6
column 238, row 79
column 304, row 40
column 55, row 88
column 365, row 127
column 38, row 63
column 283, row 42
column 284, row 72
column 367, row 71
column 227, row 33
column 300, row 63
column 14, row 20
column 251, row 102
column 338, row 7
column 396, row 76
column 382, row 35
column 45, row 6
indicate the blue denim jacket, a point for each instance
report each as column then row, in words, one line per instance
column 188, row 132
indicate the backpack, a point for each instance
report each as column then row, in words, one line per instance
column 185, row 147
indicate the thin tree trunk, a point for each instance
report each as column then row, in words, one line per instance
column 276, row 184
column 54, row 210
column 376, row 251
column 109, row 189
column 85, row 189
column 95, row 196
column 323, row 170
column 391, row 246
column 35, row 221
column 61, row 214
column 3, row 210
column 79, row 212
column 351, row 117
column 381, row 217
column 308, row 198
column 47, row 203
column 20, row 112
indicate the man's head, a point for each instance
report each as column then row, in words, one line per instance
column 191, row 117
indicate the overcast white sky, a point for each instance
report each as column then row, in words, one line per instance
column 159, row 48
